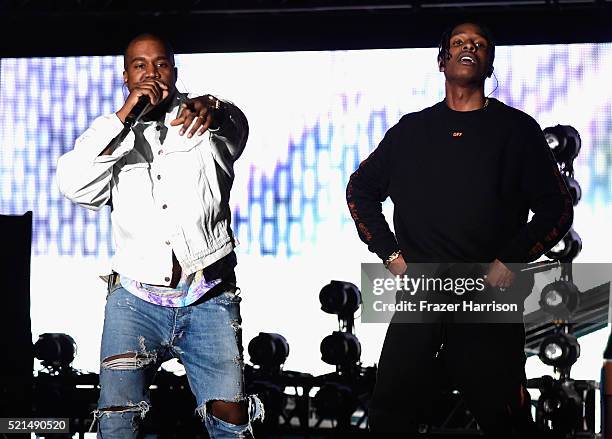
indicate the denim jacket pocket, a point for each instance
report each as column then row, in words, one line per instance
column 133, row 166
column 185, row 143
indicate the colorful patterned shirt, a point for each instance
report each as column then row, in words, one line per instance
column 189, row 289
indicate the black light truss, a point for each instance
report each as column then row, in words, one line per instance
column 591, row 316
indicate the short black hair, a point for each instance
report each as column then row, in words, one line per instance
column 444, row 44
column 149, row 36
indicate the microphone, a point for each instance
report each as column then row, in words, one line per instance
column 136, row 111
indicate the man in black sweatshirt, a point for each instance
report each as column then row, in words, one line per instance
column 462, row 175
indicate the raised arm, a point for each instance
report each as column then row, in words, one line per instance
column 230, row 137
column 84, row 174
column 225, row 122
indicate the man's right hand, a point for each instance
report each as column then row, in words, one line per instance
column 398, row 266
column 155, row 89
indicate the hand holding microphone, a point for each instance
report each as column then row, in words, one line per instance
column 137, row 110
column 142, row 98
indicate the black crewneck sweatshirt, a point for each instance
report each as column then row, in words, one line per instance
column 462, row 185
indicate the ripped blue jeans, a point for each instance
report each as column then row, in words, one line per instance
column 138, row 336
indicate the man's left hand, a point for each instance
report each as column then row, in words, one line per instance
column 195, row 113
column 499, row 275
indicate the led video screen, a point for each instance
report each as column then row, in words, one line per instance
column 313, row 117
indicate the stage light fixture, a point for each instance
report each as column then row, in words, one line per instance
column 561, row 405
column 340, row 349
column 567, row 249
column 342, row 298
column 55, row 351
column 564, row 141
column 560, row 350
column 335, row 401
column 268, row 350
column 560, row 299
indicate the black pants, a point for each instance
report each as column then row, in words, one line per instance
column 485, row 361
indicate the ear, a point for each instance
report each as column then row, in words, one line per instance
column 441, row 65
column 125, row 77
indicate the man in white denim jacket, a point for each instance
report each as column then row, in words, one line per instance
column 168, row 181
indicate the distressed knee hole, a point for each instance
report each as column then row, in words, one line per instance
column 233, row 412
column 255, row 408
column 129, row 360
column 141, row 408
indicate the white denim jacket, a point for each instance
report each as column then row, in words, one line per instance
column 167, row 192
